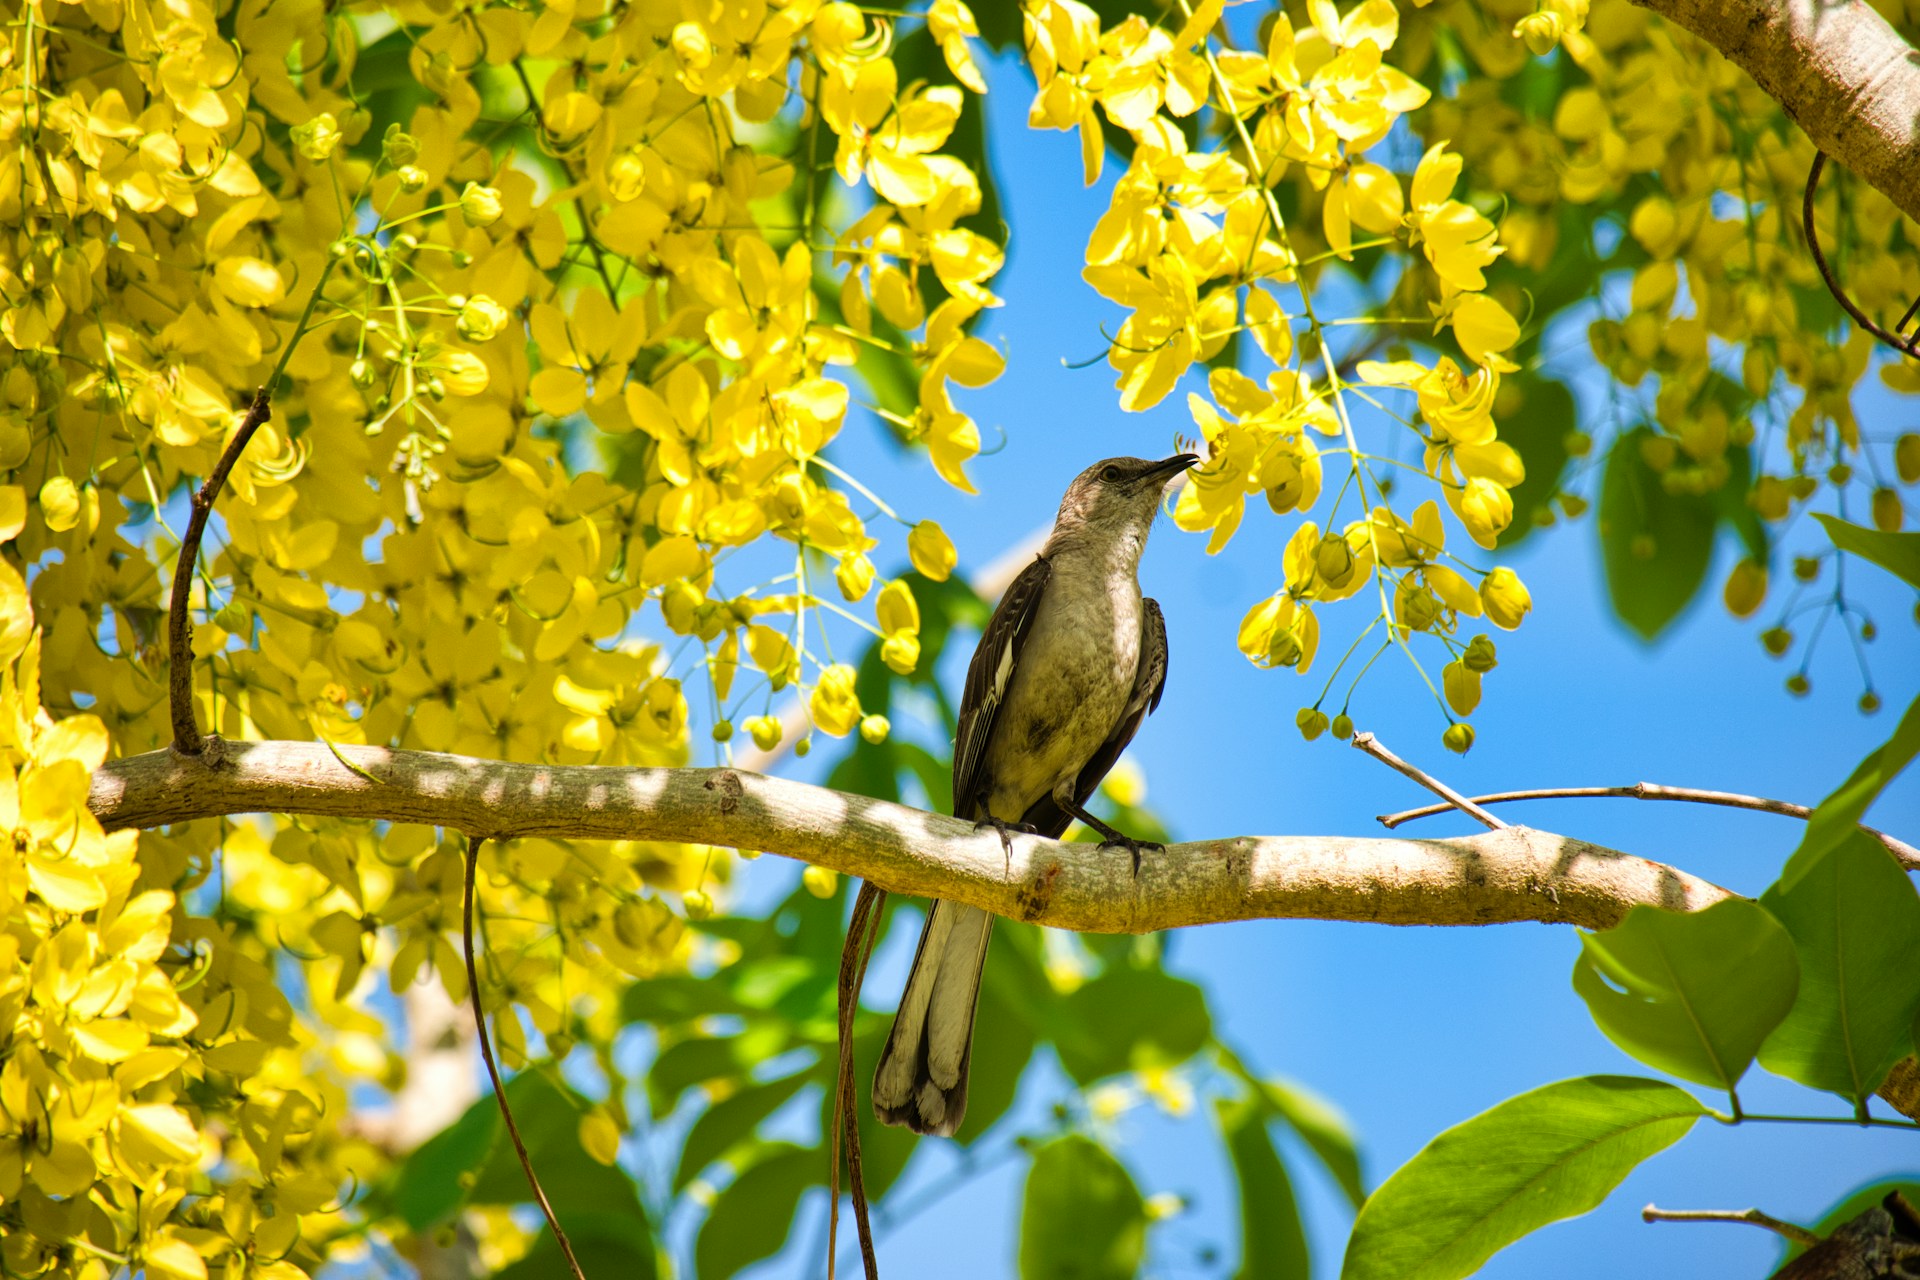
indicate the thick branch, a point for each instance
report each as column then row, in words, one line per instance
column 1838, row 68
column 1508, row 875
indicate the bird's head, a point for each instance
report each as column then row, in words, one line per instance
column 1118, row 497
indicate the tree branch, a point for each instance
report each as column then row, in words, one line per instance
column 1839, row 69
column 1508, row 875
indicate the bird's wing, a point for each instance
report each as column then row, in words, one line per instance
column 1149, row 681
column 988, row 677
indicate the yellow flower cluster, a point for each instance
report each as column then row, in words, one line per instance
column 549, row 349
column 1193, row 243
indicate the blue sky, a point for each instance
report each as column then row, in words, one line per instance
column 1409, row 1031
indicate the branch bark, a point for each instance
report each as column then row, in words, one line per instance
column 1508, row 875
column 1839, row 69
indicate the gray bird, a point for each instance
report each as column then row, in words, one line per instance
column 1070, row 663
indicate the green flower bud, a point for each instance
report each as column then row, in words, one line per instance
column 481, row 319
column 412, row 178
column 480, row 205
column 1798, row 685
column 1888, row 514
column 874, row 729
column 398, row 147
column 1806, row 568
column 1311, row 721
column 1746, row 588
column 723, row 730
column 1343, row 726
column 234, row 618
column 1480, row 655
column 1776, row 640
column 699, row 906
column 1458, row 738
column 803, row 748
column 1869, row 703
column 317, row 138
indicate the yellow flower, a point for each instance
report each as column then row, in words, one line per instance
column 1506, row 598
column 931, row 550
column 833, row 705
column 1458, row 241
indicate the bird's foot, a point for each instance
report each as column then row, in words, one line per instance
column 1007, row 831
column 1134, row 847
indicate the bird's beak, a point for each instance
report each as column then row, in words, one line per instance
column 1174, row 466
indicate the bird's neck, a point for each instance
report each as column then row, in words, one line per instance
column 1106, row 551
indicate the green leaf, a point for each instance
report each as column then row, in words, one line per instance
column 1272, row 1242
column 731, row 1121
column 1538, row 427
column 1841, row 812
column 1897, row 553
column 1324, row 1130
column 1546, row 1155
column 675, row 998
column 1128, row 1018
column 606, row 1244
column 548, row 1116
column 431, row 1185
column 1656, row 545
column 751, row 1218
column 1693, row 993
column 1855, row 921
column 1081, row 1217
column 686, row 1063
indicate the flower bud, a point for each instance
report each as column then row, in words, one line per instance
column 1333, row 560
column 803, row 748
column 765, row 731
column 1505, row 598
column 1540, row 31
column 412, row 178
column 1906, row 458
column 1458, row 738
column 1798, row 685
column 698, row 904
column 854, row 574
column 398, row 148
column 60, row 504
column 317, row 138
column 1806, row 568
column 1887, row 513
column 723, row 730
column 1343, row 726
column 1461, row 685
column 1311, row 721
column 1480, row 655
column 931, row 550
column 1746, row 588
column 361, row 373
column 1486, row 509
column 874, row 729
column 481, row 319
column 820, row 881
column 1869, row 703
column 480, row 205
column 835, row 704
column 1776, row 640
column 901, row 652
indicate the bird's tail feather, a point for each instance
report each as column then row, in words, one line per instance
column 922, row 1078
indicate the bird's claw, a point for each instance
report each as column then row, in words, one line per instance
column 1134, row 848
column 1006, row 831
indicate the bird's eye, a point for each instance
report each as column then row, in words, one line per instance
column 1110, row 474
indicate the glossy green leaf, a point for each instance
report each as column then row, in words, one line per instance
column 1842, row 811
column 731, row 1121
column 1897, row 553
column 1273, row 1245
column 1855, row 921
column 431, row 1185
column 750, row 1219
column 1693, row 993
column 1537, row 426
column 1081, row 1217
column 1656, row 545
column 1553, row 1153
column 1128, row 1018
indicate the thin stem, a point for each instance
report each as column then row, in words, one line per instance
column 1908, row 856
column 1371, row 745
column 1753, row 1217
column 493, row 1068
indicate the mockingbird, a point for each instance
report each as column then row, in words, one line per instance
column 1071, row 662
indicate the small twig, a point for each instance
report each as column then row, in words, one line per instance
column 863, row 930
column 1908, row 856
column 1753, row 1217
column 493, row 1069
column 186, row 730
column 1371, row 745
column 1905, row 346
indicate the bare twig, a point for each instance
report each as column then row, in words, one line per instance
column 186, row 731
column 863, row 930
column 1371, row 745
column 1905, row 346
column 1908, row 856
column 1753, row 1217
column 493, row 1069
